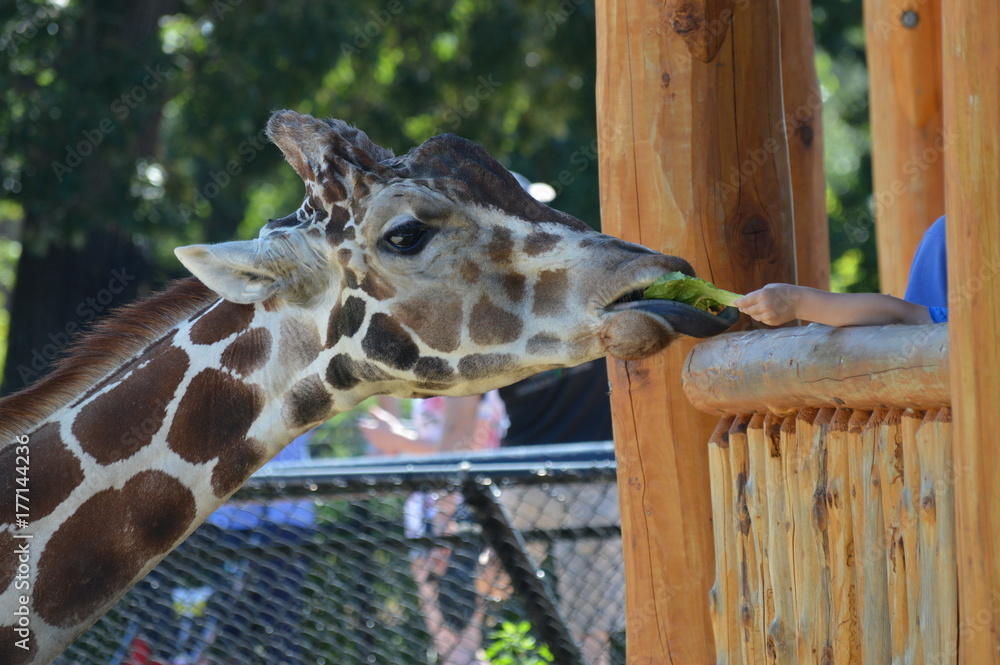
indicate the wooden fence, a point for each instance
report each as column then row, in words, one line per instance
column 832, row 495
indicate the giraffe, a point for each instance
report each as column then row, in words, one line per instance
column 430, row 273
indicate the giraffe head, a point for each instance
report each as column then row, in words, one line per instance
column 435, row 272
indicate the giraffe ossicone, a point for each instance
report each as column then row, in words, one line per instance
column 424, row 274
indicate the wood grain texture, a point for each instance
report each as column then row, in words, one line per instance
column 840, row 528
column 903, row 41
column 688, row 96
column 724, row 595
column 803, row 101
column 816, row 366
column 972, row 113
column 870, row 575
column 758, row 451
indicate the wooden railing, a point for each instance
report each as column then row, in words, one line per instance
column 832, row 494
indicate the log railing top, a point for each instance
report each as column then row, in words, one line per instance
column 817, row 366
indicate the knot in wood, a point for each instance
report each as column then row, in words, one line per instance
column 686, row 19
column 665, row 80
column 806, row 135
column 756, row 237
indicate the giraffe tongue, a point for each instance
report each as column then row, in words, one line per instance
column 683, row 318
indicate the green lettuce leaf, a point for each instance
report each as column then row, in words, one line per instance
column 691, row 291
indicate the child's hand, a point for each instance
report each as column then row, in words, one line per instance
column 773, row 305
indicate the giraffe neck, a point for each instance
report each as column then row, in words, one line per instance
column 124, row 472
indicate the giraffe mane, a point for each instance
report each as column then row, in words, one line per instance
column 112, row 342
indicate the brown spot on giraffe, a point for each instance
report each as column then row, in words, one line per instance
column 100, row 549
column 308, row 401
column 8, row 559
column 432, row 369
column 248, row 352
column 215, row 412
column 513, row 284
column 10, row 653
column 299, row 343
column 220, row 322
column 344, row 256
column 333, row 189
column 490, row 324
column 345, row 320
column 336, row 227
column 236, row 463
column 337, row 237
column 375, row 285
column 341, row 374
column 388, row 343
column 539, row 242
column 542, row 343
column 437, row 322
column 550, row 293
column 500, row 248
column 54, row 472
column 470, row 271
column 483, row 365
column 122, row 421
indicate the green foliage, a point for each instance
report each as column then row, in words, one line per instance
column 843, row 78
column 513, row 644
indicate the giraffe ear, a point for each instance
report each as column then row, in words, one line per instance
column 313, row 146
column 231, row 269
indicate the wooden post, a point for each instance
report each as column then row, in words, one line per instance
column 803, row 101
column 972, row 116
column 694, row 163
column 908, row 146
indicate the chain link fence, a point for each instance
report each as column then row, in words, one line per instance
column 503, row 557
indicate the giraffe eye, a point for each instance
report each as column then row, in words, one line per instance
column 408, row 237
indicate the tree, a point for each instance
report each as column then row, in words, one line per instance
column 134, row 127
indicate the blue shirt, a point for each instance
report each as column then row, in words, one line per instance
column 928, row 283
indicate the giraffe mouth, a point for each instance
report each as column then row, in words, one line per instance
column 682, row 318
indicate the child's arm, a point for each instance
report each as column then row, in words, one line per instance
column 780, row 303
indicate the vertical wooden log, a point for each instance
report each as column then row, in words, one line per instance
column 748, row 564
column 910, row 521
column 934, row 491
column 780, row 435
column 873, row 601
column 805, row 476
column 723, row 597
column 972, row 115
column 803, row 102
column 890, row 459
column 839, row 508
column 693, row 162
column 758, row 447
column 908, row 145
column 938, row 501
